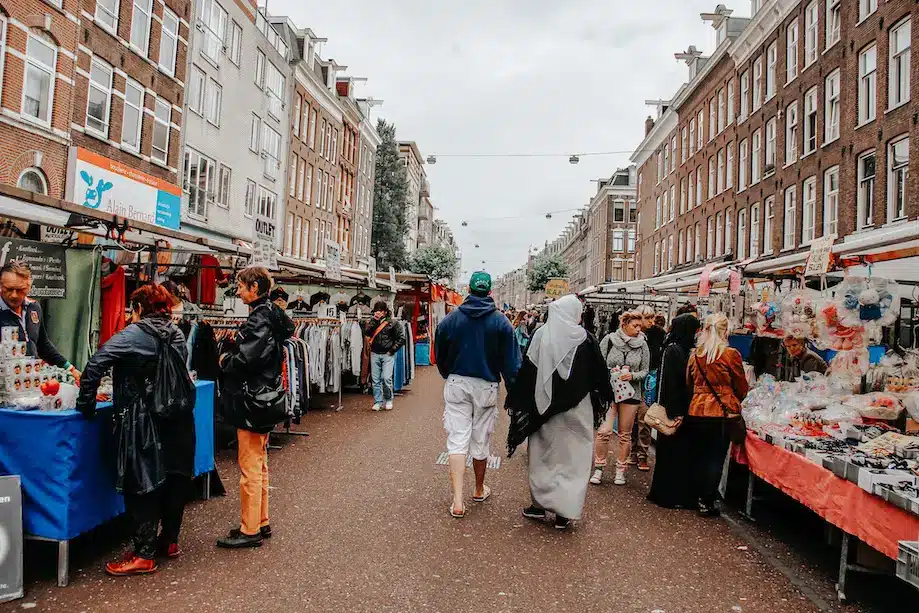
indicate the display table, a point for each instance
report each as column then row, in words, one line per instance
column 842, row 503
column 67, row 482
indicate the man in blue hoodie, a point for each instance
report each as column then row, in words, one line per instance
column 475, row 348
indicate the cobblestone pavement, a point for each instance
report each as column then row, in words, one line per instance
column 361, row 523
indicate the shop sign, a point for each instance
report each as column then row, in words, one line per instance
column 332, row 260
column 53, row 234
column 10, row 538
column 47, row 261
column 556, row 288
column 264, row 251
column 372, row 272
column 106, row 185
column 818, row 260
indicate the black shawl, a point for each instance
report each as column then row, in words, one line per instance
column 672, row 391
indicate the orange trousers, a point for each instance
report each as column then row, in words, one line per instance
column 253, row 483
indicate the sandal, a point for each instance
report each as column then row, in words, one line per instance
column 484, row 496
column 456, row 515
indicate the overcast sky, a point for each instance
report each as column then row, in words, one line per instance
column 511, row 76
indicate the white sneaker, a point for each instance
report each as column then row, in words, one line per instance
column 388, row 406
column 377, row 406
column 597, row 477
column 620, row 477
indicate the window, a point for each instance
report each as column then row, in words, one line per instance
column 719, row 235
column 692, row 189
column 689, row 257
column 260, row 68
column 721, row 111
column 236, row 43
column 742, row 167
column 133, row 115
column 618, row 240
column 267, row 201
column 308, row 184
column 274, row 89
column 292, row 176
column 692, row 136
column 619, row 211
column 657, row 258
column 757, row 83
column 684, row 146
column 791, row 51
column 196, row 89
column 831, row 108
column 660, row 166
column 754, row 231
column 670, row 252
column 271, row 150
column 672, row 202
column 770, row 146
column 791, row 133
column 742, row 234
column 810, row 121
column 788, row 222
column 831, row 201
column 731, row 101
column 633, row 208
column 866, row 7
column 298, row 232
column 33, row 180
column 720, row 187
column 809, row 210
column 223, row 187
column 255, row 128
column 682, row 195
column 140, row 25
column 867, row 84
column 772, row 58
column 711, row 177
column 865, row 196
column 744, row 94
column 169, row 42
column 897, row 178
column 672, row 153
column 289, row 234
column 107, row 14
column 699, row 186
column 767, row 227
column 755, row 168
column 712, row 119
column 680, row 249
column 709, row 238
column 301, row 176
column 728, row 230
column 314, row 115
column 698, row 253
column 214, row 102
column 657, row 213
column 701, row 122
column 162, row 117
column 250, row 198
column 899, row 63
column 298, row 102
column 729, row 182
column 38, row 90
column 214, row 28
column 198, row 181
column 630, row 245
column 316, row 233
column 99, row 97
column 810, row 33
column 833, row 21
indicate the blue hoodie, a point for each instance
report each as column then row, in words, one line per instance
column 477, row 341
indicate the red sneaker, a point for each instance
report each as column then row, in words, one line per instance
column 133, row 566
column 173, row 551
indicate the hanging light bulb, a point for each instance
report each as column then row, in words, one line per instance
column 464, row 224
column 574, row 159
column 432, row 159
column 548, row 215
column 476, row 245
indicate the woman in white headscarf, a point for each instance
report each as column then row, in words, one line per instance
column 559, row 399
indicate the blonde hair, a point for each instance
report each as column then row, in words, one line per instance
column 645, row 310
column 713, row 339
column 629, row 316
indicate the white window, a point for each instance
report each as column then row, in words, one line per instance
column 699, row 174
column 260, row 62
column 791, row 133
column 729, row 182
column 267, row 202
column 720, row 170
column 274, row 89
column 899, row 73
column 684, row 146
column 660, row 166
column 722, row 117
column 255, row 129
column 810, row 33
column 236, row 43
column 731, row 101
column 788, row 221
column 680, row 253
column 755, row 159
column 99, row 97
column 767, row 227
column 810, row 121
column 214, row 24
column 250, row 198
column 140, row 25
column 657, row 258
column 162, row 117
column 107, row 14
column 133, row 115
column 308, row 184
column 701, row 138
column 691, row 191
column 301, row 177
column 196, row 90
column 38, row 90
column 664, row 209
column 757, row 83
column 672, row 202
column 292, row 176
column 223, row 186
column 619, row 211
column 298, row 232
column 618, row 240
column 897, row 178
column 832, row 108
column 809, row 206
column 770, row 146
column 742, row 167
column 214, row 102
column 689, row 257
column 670, row 252
column 711, row 177
column 709, row 238
column 866, row 7
column 698, row 253
column 742, row 234
column 657, row 213
column 318, row 189
column 719, row 234
column 728, row 231
column 271, row 151
column 692, row 136
column 744, row 94
column 298, row 102
column 199, row 182
column 833, row 21
column 867, row 84
column 865, row 196
column 289, row 235
column 630, row 244
column 169, row 42
column 672, row 153
column 772, row 58
column 831, row 201
column 754, row 231
column 791, row 51
column 712, row 119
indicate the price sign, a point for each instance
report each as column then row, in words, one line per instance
column 332, row 260
column 818, row 261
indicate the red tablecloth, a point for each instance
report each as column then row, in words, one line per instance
column 842, row 503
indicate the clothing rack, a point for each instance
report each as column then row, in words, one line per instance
column 331, row 322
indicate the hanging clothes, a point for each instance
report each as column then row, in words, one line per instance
column 207, row 277
column 113, row 302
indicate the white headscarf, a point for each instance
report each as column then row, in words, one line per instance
column 554, row 345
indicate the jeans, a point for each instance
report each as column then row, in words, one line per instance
column 253, row 482
column 160, row 510
column 381, row 372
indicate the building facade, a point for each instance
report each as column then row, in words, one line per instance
column 612, row 229
column 418, row 189
column 366, row 175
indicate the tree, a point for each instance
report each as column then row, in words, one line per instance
column 390, row 191
column 435, row 262
column 545, row 268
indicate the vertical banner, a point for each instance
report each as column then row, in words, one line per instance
column 372, row 272
column 264, row 250
column 10, row 539
column 332, row 260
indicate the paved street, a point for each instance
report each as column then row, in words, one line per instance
column 361, row 524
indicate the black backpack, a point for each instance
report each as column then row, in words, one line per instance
column 173, row 391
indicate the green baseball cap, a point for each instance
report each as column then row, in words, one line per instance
column 480, row 282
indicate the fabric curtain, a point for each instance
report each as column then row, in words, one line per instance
column 73, row 322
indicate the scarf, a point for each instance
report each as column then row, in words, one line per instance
column 553, row 347
column 621, row 339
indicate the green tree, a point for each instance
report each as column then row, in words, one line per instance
column 435, row 262
column 545, row 268
column 390, row 191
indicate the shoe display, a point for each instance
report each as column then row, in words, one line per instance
column 534, row 512
column 597, row 477
column 235, row 539
column 133, row 565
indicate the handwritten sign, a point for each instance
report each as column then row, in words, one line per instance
column 556, row 288
column 332, row 260
column 47, row 261
column 264, row 252
column 818, row 260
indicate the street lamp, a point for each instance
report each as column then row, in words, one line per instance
column 432, row 159
column 574, row 159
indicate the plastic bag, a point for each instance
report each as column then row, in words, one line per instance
column 877, row 405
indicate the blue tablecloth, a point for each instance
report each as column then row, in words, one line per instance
column 67, row 485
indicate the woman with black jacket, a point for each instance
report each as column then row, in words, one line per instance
column 156, row 479
column 669, row 485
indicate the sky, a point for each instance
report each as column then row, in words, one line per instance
column 511, row 76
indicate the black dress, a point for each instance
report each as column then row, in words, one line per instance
column 670, row 483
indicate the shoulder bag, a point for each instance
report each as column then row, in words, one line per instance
column 734, row 425
column 656, row 417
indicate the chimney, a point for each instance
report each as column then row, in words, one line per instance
column 649, row 125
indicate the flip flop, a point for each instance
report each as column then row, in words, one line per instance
column 456, row 515
column 485, row 496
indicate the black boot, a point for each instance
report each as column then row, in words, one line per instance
column 235, row 539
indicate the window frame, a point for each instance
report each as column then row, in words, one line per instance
column 236, row 43
column 108, row 13
column 214, row 93
column 106, row 90
column 138, row 132
column 50, row 71
column 758, row 84
column 791, row 51
column 755, row 222
column 811, row 95
column 198, row 194
column 744, row 96
column 197, row 88
column 864, row 190
column 742, row 233
column 811, row 33
column 742, row 158
column 772, row 60
column 866, row 8
column 223, row 192
column 808, row 210
column 867, row 85
column 159, row 103
column 135, row 6
column 833, row 22
column 768, row 223
column 164, row 34
column 756, row 169
column 896, row 56
column 791, row 133
column 894, row 183
column 789, row 217
column 832, row 107
column 771, row 144
column 831, row 202
column 212, row 16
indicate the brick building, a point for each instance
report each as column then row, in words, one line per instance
column 346, row 191
column 612, row 217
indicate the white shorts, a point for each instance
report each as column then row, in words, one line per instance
column 470, row 411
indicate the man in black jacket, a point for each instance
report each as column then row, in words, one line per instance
column 386, row 338
column 256, row 365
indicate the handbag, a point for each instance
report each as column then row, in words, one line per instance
column 656, row 417
column 735, row 427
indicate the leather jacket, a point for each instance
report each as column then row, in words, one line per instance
column 259, row 349
column 389, row 340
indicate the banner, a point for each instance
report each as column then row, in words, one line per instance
column 556, row 288
column 49, row 270
column 818, row 260
column 332, row 260
column 264, row 251
column 10, row 539
column 372, row 272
